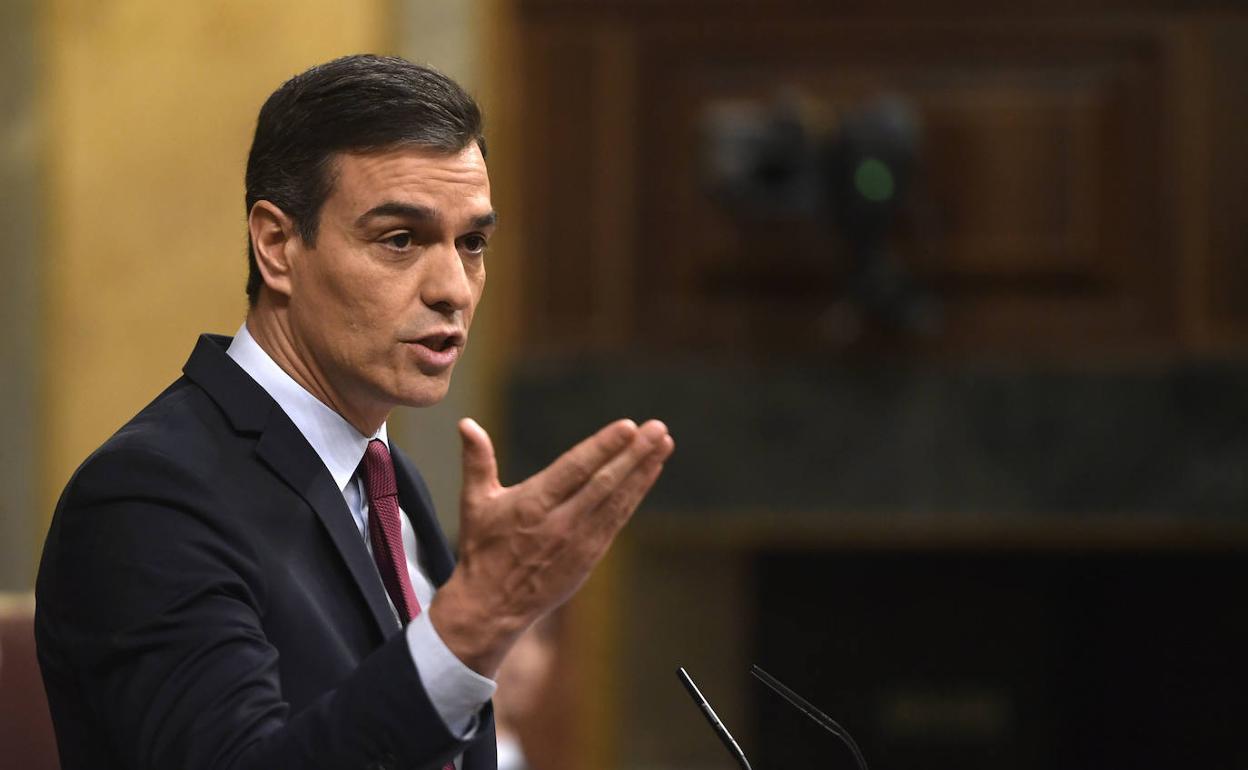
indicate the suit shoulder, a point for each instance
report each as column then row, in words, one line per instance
column 159, row 490
column 182, row 413
column 175, row 443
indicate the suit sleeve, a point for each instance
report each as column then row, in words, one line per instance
column 157, row 608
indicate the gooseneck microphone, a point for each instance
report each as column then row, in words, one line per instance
column 716, row 725
column 807, row 708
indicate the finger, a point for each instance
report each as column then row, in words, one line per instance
column 652, row 439
column 623, row 503
column 576, row 466
column 480, row 468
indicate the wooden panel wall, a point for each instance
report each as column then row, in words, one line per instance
column 1219, row 189
column 1060, row 156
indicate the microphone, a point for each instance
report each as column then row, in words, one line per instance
column 807, row 708
column 716, row 725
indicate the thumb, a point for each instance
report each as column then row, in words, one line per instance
column 480, row 467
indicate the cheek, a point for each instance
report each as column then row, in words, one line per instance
column 325, row 291
column 478, row 288
column 353, row 301
column 344, row 318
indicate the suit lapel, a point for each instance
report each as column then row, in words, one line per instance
column 416, row 503
column 284, row 450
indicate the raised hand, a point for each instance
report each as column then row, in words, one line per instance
column 525, row 549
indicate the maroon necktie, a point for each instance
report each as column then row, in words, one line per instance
column 384, row 529
column 386, row 532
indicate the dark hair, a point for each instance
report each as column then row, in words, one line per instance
column 354, row 104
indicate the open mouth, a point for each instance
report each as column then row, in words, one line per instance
column 442, row 342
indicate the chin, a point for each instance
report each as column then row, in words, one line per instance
column 428, row 395
column 423, row 401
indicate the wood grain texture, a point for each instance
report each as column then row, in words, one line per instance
column 1041, row 222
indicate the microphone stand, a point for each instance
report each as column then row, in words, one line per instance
column 807, row 708
column 711, row 717
column 803, row 705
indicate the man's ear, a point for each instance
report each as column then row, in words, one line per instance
column 275, row 241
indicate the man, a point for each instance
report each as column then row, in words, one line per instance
column 244, row 575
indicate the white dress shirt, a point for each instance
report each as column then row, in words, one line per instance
column 456, row 691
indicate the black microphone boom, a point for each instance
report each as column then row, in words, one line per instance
column 717, row 725
column 807, row 708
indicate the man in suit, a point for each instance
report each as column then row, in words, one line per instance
column 247, row 575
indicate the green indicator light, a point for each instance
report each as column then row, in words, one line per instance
column 874, row 180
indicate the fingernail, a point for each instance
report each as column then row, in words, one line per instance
column 653, row 430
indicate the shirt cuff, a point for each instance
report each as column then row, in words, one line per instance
column 456, row 691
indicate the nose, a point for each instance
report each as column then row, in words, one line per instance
column 445, row 285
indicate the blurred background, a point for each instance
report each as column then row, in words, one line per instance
column 944, row 304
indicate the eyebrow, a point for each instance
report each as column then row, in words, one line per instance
column 420, row 213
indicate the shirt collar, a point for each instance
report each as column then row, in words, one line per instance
column 336, row 441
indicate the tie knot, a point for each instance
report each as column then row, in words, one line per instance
column 379, row 470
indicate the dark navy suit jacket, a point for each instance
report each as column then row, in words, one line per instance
column 205, row 600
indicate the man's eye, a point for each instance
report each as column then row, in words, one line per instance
column 400, row 241
column 473, row 244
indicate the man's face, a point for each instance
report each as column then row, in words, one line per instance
column 380, row 307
